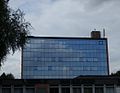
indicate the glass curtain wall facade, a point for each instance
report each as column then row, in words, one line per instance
column 52, row 58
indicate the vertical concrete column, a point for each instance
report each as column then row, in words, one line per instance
column 82, row 88
column 12, row 88
column 59, row 88
column 104, row 88
column 93, row 88
column 71, row 89
column 24, row 89
column 0, row 89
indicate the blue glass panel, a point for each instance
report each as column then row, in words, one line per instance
column 64, row 58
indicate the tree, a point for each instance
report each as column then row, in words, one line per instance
column 116, row 73
column 7, row 76
column 10, row 76
column 13, row 30
column 3, row 76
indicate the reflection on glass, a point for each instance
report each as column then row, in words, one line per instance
column 65, row 57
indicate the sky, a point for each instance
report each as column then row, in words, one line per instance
column 72, row 18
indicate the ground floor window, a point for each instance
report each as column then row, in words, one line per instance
column 87, row 90
column 65, row 90
column 54, row 90
column 30, row 90
column 6, row 90
column 99, row 90
column 18, row 90
column 110, row 90
column 76, row 90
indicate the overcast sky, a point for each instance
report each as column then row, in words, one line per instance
column 70, row 18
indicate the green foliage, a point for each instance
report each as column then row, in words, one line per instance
column 116, row 74
column 7, row 76
column 13, row 30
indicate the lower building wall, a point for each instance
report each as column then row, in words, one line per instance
column 118, row 89
column 61, row 89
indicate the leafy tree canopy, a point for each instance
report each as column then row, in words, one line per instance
column 116, row 73
column 7, row 76
column 13, row 30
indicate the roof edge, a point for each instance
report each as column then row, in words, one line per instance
column 55, row 37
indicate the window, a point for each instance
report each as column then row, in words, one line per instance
column 110, row 90
column 18, row 90
column 87, row 90
column 65, row 90
column 6, row 90
column 54, row 90
column 41, row 90
column 49, row 67
column 30, row 90
column 76, row 90
column 99, row 90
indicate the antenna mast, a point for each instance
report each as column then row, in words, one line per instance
column 103, row 32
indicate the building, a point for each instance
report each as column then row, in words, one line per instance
column 98, row 84
column 64, row 65
column 65, row 57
